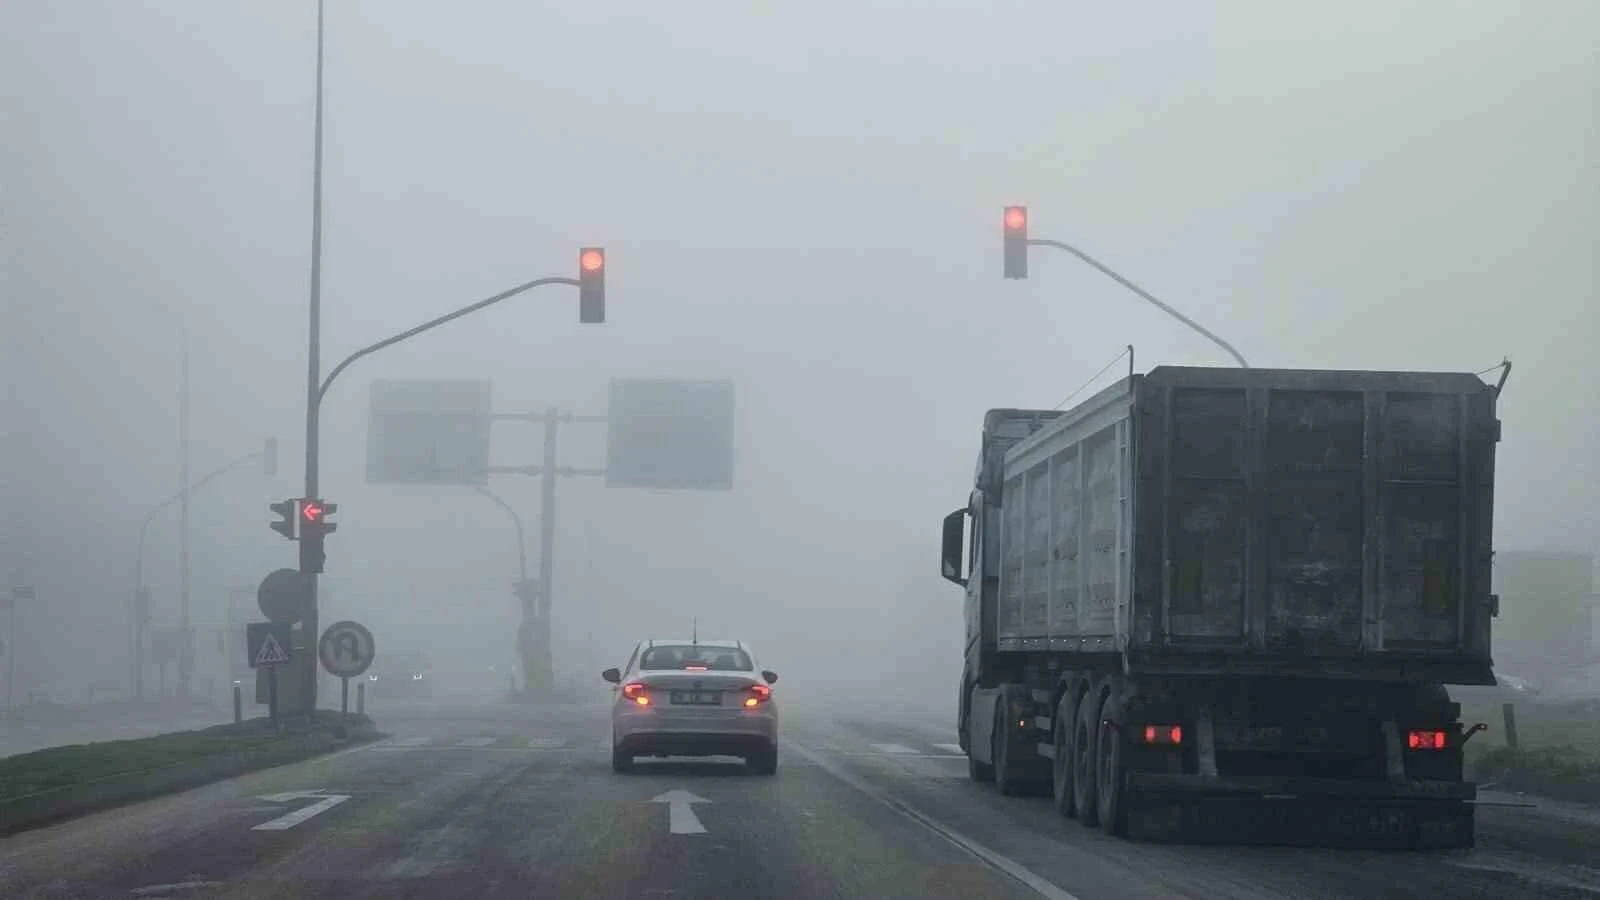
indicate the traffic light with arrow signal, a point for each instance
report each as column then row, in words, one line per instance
column 314, row 526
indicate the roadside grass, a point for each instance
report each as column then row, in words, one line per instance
column 1555, row 743
column 58, row 767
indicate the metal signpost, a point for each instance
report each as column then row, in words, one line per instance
column 346, row 650
column 269, row 645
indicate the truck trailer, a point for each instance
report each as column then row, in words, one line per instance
column 1225, row 603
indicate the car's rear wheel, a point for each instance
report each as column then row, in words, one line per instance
column 763, row 762
column 621, row 760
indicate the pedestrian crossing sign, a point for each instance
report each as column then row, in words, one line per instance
column 267, row 644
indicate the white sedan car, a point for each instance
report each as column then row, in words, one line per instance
column 693, row 698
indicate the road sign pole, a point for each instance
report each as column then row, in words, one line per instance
column 344, row 696
column 272, row 696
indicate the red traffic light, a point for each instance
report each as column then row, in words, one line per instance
column 1016, row 218
column 311, row 511
column 592, row 260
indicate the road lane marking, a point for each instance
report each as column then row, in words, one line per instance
column 409, row 742
column 177, row 886
column 546, row 743
column 894, row 748
column 324, row 803
column 476, row 742
column 1005, row 864
column 954, row 749
column 680, row 811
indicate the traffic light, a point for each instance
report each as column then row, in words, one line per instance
column 1016, row 236
column 591, row 285
column 286, row 514
column 314, row 526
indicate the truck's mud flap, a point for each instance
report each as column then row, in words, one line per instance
column 1303, row 821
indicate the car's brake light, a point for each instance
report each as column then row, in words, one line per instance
column 760, row 693
column 694, row 668
column 1163, row 734
column 1427, row 740
column 634, row 691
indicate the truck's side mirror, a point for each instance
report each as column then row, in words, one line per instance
column 612, row 675
column 955, row 528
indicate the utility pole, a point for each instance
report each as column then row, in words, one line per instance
column 534, row 637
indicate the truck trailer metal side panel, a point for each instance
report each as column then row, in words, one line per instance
column 1281, row 514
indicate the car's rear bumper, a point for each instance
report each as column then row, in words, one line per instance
column 647, row 731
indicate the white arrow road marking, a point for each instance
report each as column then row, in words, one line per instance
column 680, row 814
column 324, row 803
column 893, row 748
column 477, row 741
column 951, row 748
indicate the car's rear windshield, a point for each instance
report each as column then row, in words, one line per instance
column 715, row 659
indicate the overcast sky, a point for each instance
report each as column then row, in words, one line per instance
column 803, row 197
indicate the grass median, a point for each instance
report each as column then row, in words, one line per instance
column 64, row 781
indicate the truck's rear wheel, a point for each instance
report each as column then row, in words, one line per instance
column 1113, row 812
column 1083, row 760
column 1061, row 765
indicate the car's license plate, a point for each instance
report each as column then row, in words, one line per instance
column 697, row 698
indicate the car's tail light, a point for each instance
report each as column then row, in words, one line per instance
column 759, row 694
column 634, row 691
column 694, row 668
column 1427, row 740
column 1170, row 735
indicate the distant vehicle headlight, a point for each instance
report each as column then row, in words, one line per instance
column 416, row 677
column 372, row 678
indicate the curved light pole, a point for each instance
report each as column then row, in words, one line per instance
column 523, row 590
column 1014, row 224
column 140, row 599
column 1106, row 270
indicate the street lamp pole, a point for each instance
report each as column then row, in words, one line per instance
column 1106, row 270
column 140, row 607
column 186, row 648
column 522, row 547
column 314, row 361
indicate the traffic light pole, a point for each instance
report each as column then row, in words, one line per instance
column 1105, row 270
column 536, row 608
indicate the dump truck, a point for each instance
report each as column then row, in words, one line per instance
column 1225, row 603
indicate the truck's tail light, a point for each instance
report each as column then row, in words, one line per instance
column 1427, row 740
column 1163, row 734
column 634, row 691
column 759, row 694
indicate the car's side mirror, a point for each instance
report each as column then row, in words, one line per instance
column 612, row 675
column 770, row 676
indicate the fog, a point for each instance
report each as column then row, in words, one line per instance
column 800, row 197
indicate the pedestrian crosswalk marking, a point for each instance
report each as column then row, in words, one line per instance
column 952, row 748
column 893, row 748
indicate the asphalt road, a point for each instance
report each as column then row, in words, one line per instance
column 499, row 801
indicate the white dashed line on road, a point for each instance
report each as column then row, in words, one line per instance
column 894, row 748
